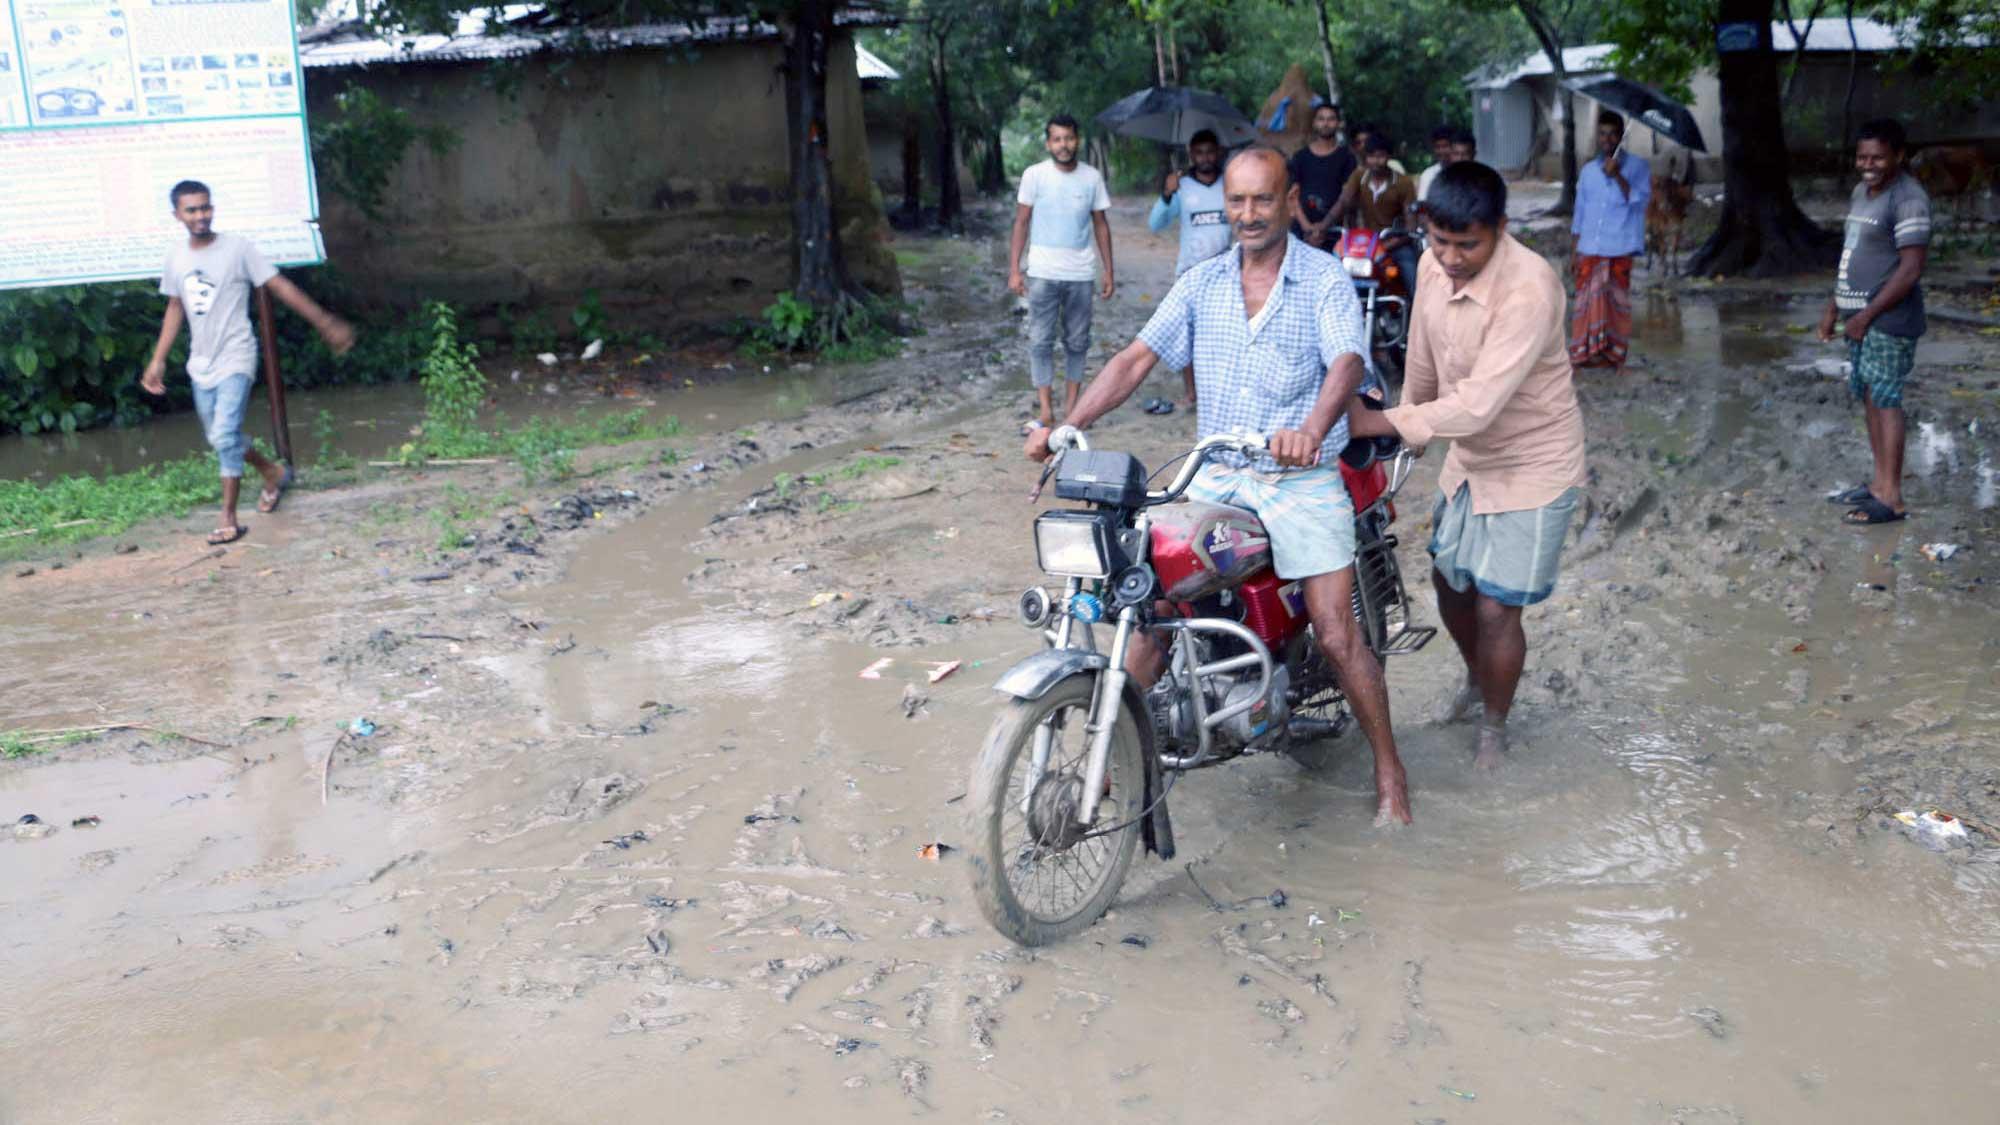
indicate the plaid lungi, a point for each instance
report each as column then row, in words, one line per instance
column 1878, row 366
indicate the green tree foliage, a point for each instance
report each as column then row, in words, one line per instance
column 1400, row 63
column 358, row 145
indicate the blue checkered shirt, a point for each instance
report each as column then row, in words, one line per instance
column 1266, row 382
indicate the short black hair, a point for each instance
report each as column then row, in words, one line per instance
column 186, row 187
column 1465, row 194
column 1327, row 105
column 1888, row 130
column 1465, row 137
column 1443, row 133
column 1376, row 142
column 1063, row 120
column 1611, row 118
column 1205, row 135
column 1364, row 127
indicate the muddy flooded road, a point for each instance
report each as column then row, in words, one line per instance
column 632, row 833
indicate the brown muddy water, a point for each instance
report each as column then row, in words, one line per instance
column 635, row 839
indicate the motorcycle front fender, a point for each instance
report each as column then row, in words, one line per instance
column 1032, row 678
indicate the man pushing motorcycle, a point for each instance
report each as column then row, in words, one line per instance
column 1273, row 331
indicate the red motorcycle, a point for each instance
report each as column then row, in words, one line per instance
column 1076, row 768
column 1384, row 291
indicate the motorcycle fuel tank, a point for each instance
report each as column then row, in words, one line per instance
column 1198, row 549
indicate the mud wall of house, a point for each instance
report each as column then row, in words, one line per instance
column 659, row 178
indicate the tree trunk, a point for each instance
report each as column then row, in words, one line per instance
column 951, row 209
column 1326, row 54
column 819, row 270
column 1545, row 34
column 1762, row 232
column 913, row 170
column 1853, row 69
column 993, row 176
column 1799, row 43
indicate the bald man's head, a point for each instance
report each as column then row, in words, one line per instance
column 1258, row 196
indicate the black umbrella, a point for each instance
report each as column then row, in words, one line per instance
column 1172, row 114
column 1661, row 114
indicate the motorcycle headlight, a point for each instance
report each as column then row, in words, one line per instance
column 1357, row 267
column 1073, row 544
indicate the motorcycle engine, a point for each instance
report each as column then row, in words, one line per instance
column 1263, row 718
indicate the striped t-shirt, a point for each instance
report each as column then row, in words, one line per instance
column 1877, row 227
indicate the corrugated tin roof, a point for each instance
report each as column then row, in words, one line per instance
column 476, row 39
column 1825, row 35
column 870, row 66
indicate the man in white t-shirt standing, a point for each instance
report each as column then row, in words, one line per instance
column 1060, row 213
column 207, row 283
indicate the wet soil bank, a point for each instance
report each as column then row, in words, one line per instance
column 630, row 832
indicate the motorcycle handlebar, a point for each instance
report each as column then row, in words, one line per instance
column 1241, row 443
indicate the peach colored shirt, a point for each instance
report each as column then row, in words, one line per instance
column 1489, row 369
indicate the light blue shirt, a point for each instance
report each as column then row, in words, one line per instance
column 1263, row 376
column 1204, row 224
column 1608, row 224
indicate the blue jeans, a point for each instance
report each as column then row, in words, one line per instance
column 220, row 409
column 1049, row 302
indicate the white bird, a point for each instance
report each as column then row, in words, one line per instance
column 595, row 349
column 548, row 359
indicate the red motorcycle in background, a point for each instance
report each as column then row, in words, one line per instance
column 1384, row 291
column 1076, row 768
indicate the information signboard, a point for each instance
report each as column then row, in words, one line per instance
column 106, row 104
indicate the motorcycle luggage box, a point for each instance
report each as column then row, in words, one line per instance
column 1097, row 476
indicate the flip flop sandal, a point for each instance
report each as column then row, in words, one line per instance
column 1850, row 497
column 223, row 535
column 1872, row 511
column 267, row 500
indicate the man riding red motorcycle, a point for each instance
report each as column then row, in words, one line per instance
column 1273, row 330
column 1250, row 618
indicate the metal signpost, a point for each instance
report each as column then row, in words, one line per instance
column 106, row 104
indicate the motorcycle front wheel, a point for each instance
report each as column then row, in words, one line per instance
column 1038, row 876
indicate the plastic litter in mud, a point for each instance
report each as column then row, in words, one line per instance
column 1277, row 899
column 1136, row 941
column 874, row 671
column 941, row 669
column 659, row 942
column 361, row 728
column 1800, row 647
column 31, row 827
column 1461, row 1095
column 86, row 822
column 1939, row 552
column 662, row 902
column 935, row 851
column 1932, row 828
column 914, row 702
column 594, row 349
column 625, row 841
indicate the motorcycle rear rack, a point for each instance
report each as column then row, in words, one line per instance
column 1409, row 639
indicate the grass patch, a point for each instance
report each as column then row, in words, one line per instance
column 112, row 504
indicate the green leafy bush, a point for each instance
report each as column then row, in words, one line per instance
column 71, row 356
column 360, row 143
column 850, row 330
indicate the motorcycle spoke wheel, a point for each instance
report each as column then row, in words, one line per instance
column 1038, row 875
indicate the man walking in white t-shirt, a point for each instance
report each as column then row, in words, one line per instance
column 208, row 281
column 1060, row 213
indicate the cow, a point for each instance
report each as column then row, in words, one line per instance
column 1953, row 170
column 1666, row 214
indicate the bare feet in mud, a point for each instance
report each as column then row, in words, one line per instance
column 1492, row 751
column 1392, row 800
column 1463, row 705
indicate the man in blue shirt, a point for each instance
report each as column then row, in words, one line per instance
column 1608, row 231
column 1196, row 200
column 1273, row 329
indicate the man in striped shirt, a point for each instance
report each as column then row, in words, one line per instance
column 1879, row 296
